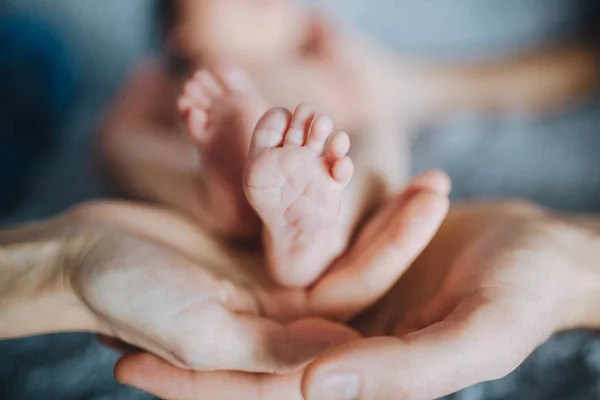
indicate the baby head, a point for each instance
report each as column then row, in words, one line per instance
column 292, row 53
column 248, row 32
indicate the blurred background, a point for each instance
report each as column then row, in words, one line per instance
column 513, row 110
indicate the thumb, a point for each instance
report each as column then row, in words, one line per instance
column 384, row 250
column 474, row 344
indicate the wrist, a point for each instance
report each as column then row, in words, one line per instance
column 591, row 285
column 36, row 295
column 582, row 240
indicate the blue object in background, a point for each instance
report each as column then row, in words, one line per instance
column 36, row 85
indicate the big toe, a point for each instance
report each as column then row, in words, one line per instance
column 270, row 130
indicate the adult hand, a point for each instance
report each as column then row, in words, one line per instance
column 109, row 268
column 497, row 281
column 382, row 251
column 154, row 281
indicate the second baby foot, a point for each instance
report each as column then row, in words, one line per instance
column 294, row 180
column 221, row 107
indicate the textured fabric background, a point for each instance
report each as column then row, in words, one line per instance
column 553, row 161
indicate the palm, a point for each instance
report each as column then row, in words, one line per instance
column 143, row 281
column 479, row 260
column 182, row 244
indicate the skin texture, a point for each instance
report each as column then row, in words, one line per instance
column 295, row 183
column 221, row 107
column 289, row 169
column 147, row 155
column 496, row 282
column 106, row 272
column 154, row 280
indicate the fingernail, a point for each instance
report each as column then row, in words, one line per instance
column 337, row 387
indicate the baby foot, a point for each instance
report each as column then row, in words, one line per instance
column 295, row 181
column 221, row 107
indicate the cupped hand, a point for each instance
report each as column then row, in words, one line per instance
column 387, row 245
column 496, row 282
column 151, row 279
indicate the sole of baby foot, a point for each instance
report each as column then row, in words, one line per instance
column 294, row 179
column 221, row 106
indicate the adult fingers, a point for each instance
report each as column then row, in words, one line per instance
column 218, row 339
column 479, row 341
column 384, row 250
column 155, row 376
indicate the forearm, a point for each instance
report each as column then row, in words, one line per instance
column 584, row 245
column 570, row 242
column 35, row 293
